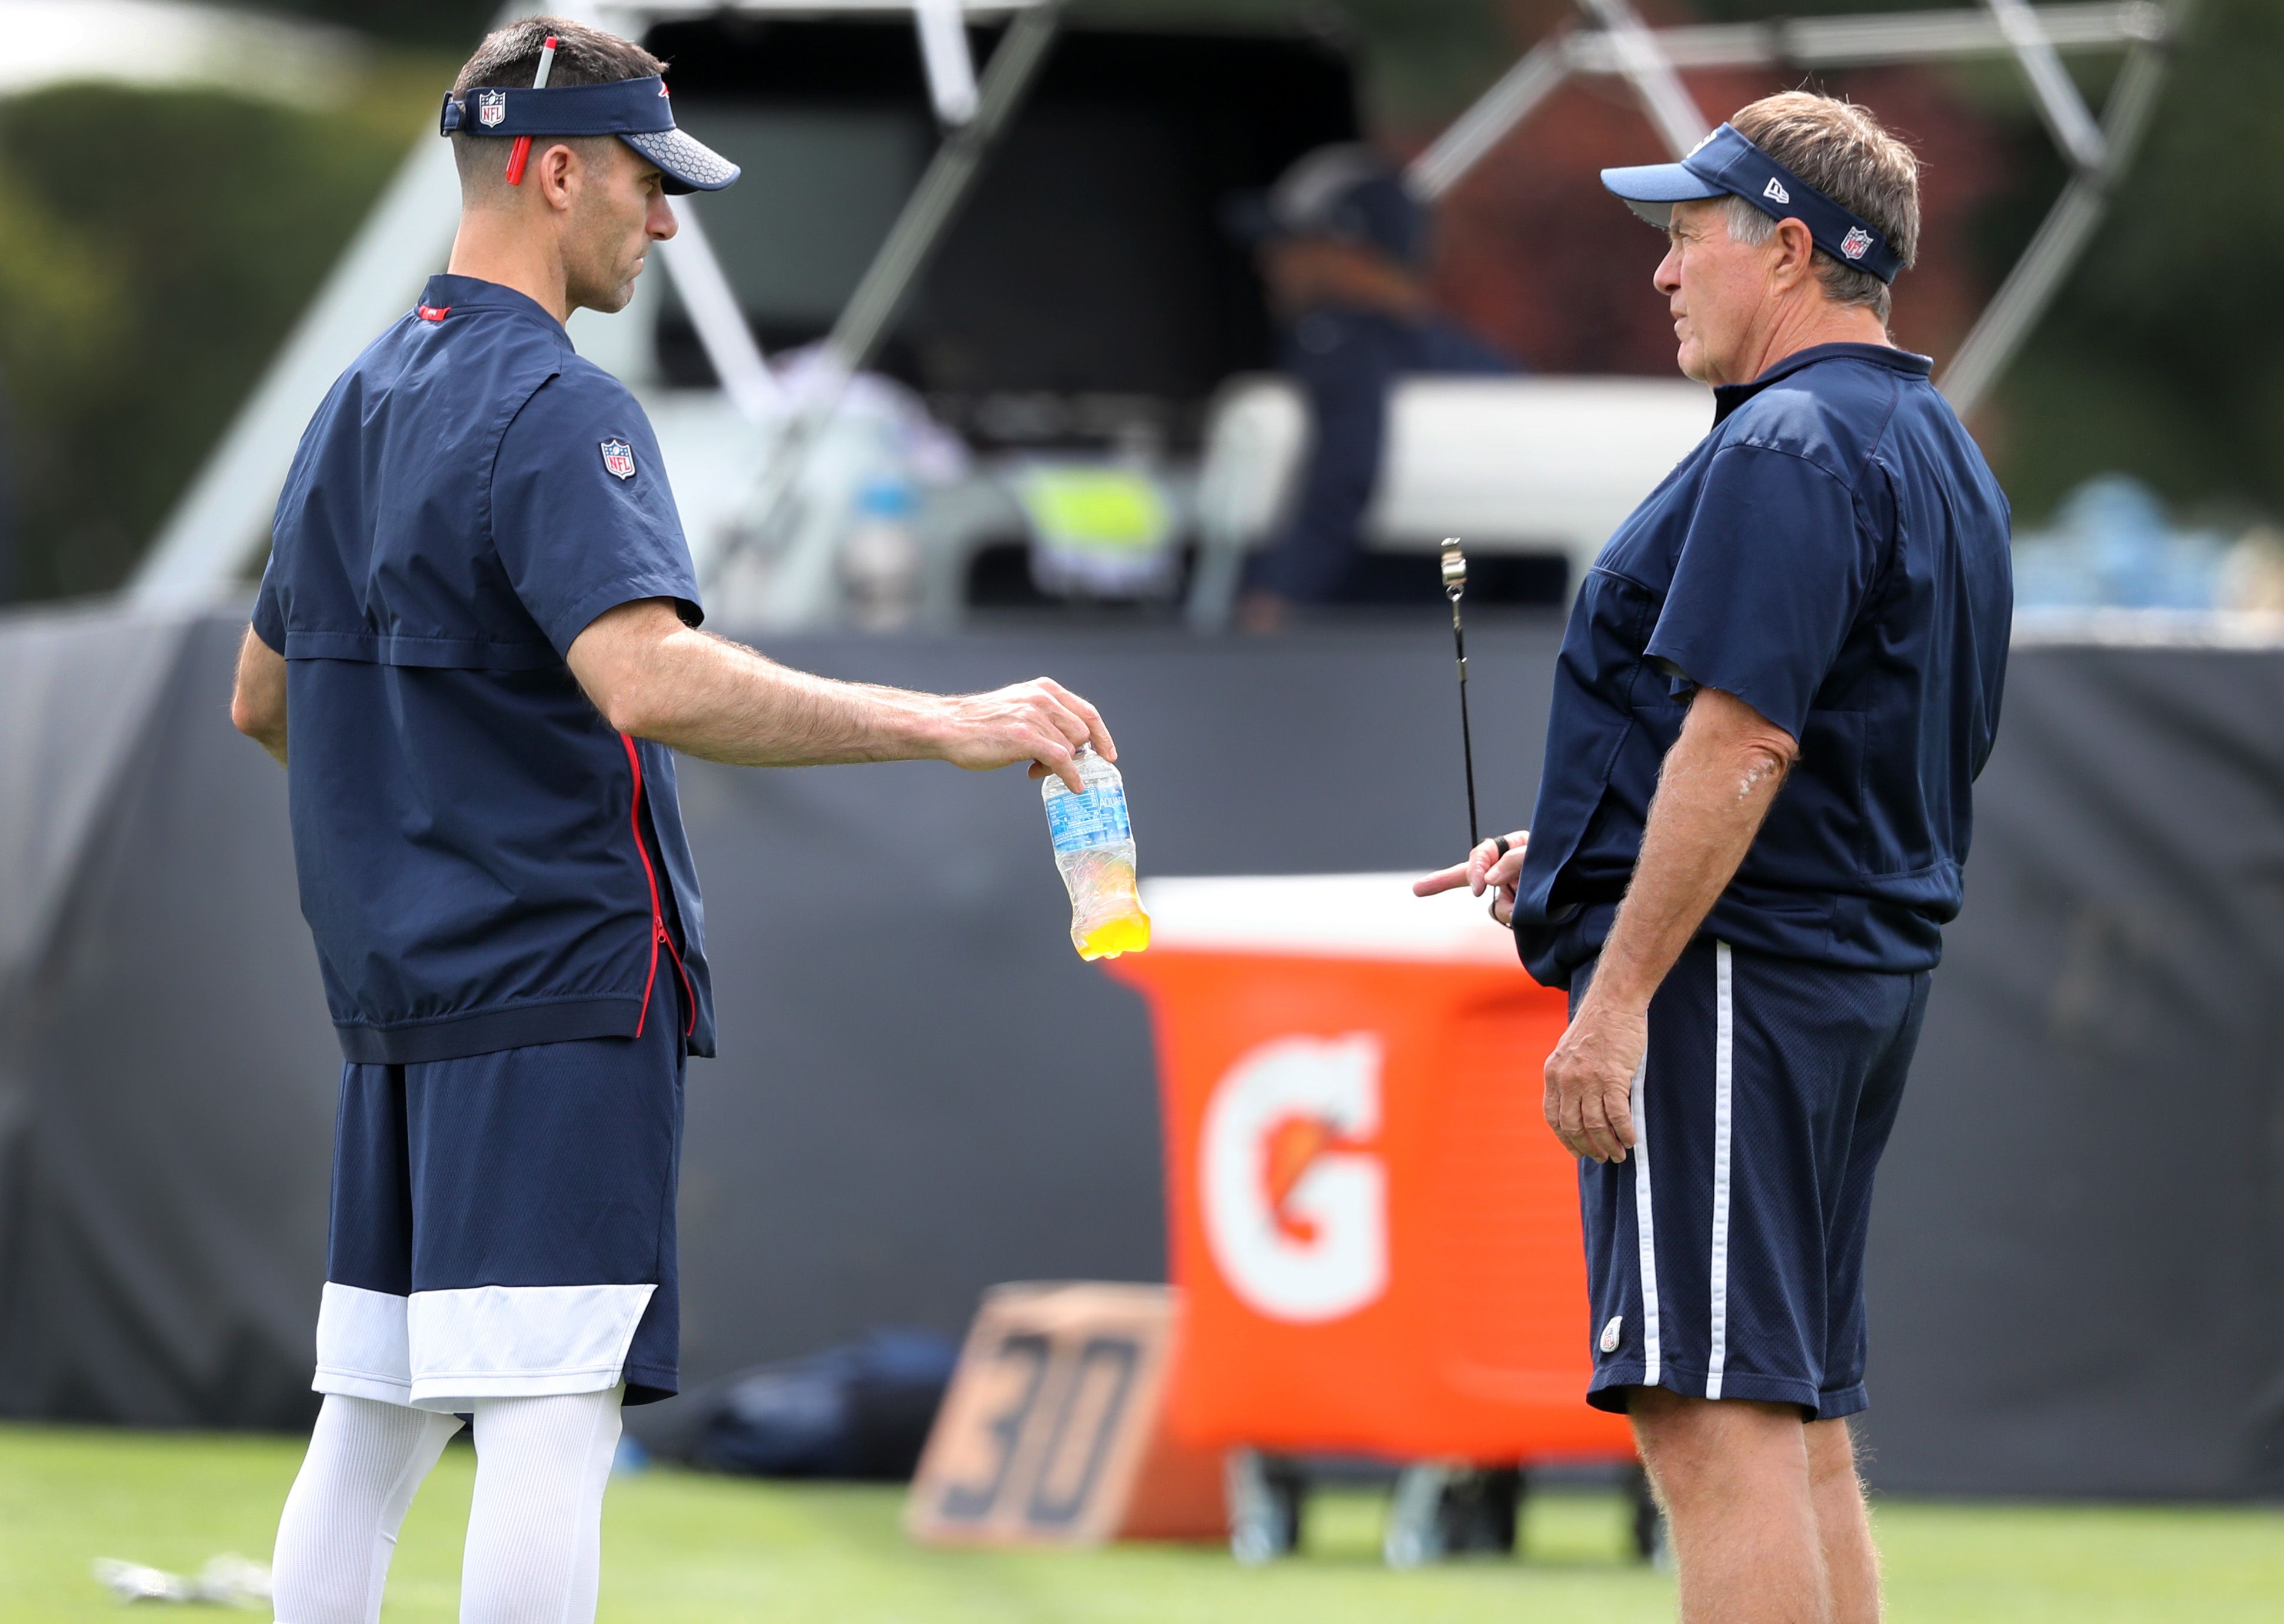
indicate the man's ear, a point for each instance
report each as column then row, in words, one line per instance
column 558, row 171
column 1795, row 254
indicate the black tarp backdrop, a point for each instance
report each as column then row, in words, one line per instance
column 2078, row 1252
column 2078, row 1272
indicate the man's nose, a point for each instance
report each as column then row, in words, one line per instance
column 663, row 224
column 1667, row 278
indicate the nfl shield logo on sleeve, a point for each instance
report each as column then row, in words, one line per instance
column 491, row 106
column 619, row 458
column 1857, row 243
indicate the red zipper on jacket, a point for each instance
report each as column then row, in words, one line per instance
column 660, row 936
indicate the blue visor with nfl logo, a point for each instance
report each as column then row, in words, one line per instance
column 1726, row 164
column 638, row 111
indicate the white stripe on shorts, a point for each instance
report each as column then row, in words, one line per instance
column 1723, row 1018
column 362, row 1349
column 517, row 1342
column 1646, row 1229
column 443, row 1350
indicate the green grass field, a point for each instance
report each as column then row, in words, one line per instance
column 685, row 1548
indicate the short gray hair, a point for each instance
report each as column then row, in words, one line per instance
column 1843, row 152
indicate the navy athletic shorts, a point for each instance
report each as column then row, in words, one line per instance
column 503, row 1225
column 1725, row 1255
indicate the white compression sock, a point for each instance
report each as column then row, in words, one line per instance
column 338, row 1530
column 536, row 1531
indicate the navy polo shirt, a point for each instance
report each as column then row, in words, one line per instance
column 485, row 864
column 1836, row 554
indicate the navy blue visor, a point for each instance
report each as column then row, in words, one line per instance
column 638, row 111
column 1726, row 164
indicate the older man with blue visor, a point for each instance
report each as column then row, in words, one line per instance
column 1780, row 680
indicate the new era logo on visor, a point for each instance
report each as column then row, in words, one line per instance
column 619, row 458
column 491, row 106
column 1775, row 189
column 1856, row 244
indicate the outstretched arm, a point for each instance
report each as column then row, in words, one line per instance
column 654, row 678
column 1713, row 791
column 257, row 706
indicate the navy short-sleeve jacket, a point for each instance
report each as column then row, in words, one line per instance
column 1836, row 554
column 484, row 862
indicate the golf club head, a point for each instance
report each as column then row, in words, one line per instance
column 1454, row 568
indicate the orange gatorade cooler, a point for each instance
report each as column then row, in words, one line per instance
column 1375, row 1234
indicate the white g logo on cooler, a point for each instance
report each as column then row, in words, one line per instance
column 1296, row 1207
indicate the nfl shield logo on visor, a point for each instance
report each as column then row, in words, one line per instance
column 619, row 458
column 1856, row 244
column 491, row 106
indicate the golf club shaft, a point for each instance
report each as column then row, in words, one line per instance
column 1466, row 737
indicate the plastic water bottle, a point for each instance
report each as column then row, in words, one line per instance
column 1094, row 848
column 880, row 556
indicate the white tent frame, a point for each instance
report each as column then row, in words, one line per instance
column 800, row 557
column 221, row 520
column 224, row 516
column 2098, row 151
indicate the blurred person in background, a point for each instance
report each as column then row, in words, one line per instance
column 1779, row 682
column 1342, row 242
column 475, row 648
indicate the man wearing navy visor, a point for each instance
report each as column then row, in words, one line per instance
column 475, row 648
column 1780, row 680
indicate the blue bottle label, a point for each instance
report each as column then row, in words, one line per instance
column 1081, row 822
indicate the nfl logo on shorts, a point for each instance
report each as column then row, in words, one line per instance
column 619, row 458
column 491, row 106
column 1857, row 243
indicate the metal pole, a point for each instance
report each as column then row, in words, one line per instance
column 1876, row 39
column 2007, row 320
column 888, row 282
column 1455, row 587
column 1793, row 42
column 920, row 229
column 1484, row 125
column 943, row 28
column 718, row 320
column 1644, row 64
column 218, row 523
column 2059, row 103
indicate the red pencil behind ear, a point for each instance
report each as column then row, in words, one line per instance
column 520, row 152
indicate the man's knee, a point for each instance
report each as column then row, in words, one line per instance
column 1686, row 1441
column 1831, row 1454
